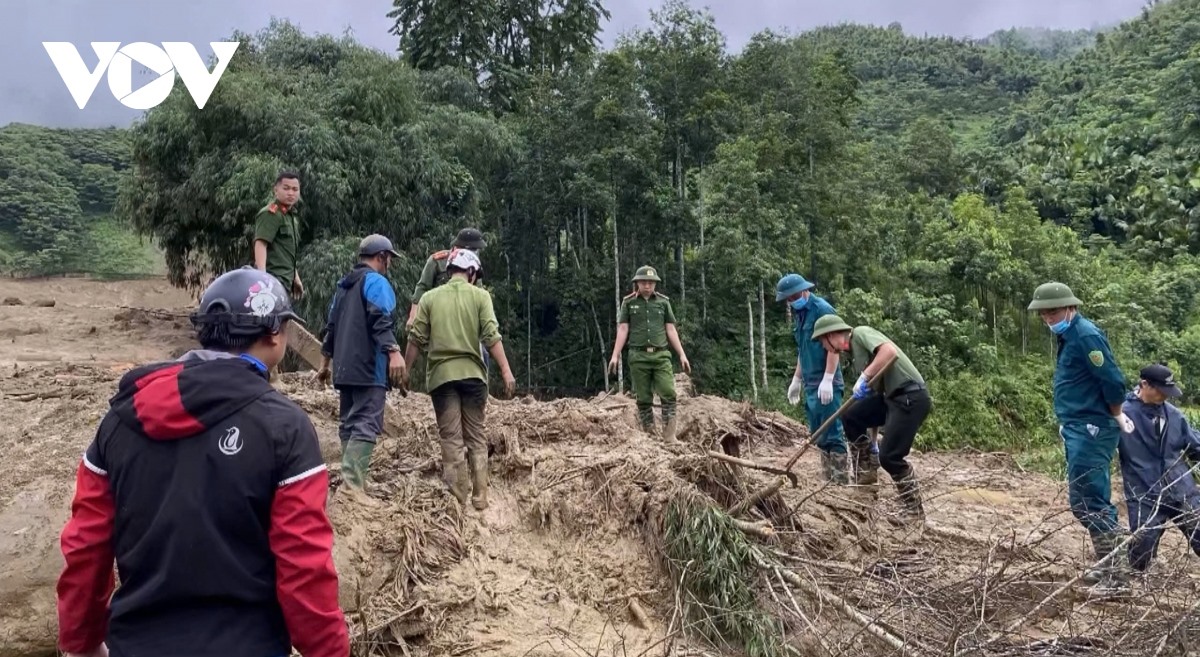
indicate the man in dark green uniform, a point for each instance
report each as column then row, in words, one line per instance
column 1089, row 390
column 647, row 322
column 899, row 404
column 434, row 273
column 277, row 235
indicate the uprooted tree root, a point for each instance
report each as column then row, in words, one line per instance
column 794, row 570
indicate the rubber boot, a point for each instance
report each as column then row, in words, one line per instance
column 866, row 464
column 646, row 418
column 356, row 462
column 839, row 468
column 669, row 429
column 826, row 466
column 1114, row 574
column 479, row 480
column 909, row 490
column 457, row 480
column 1116, row 578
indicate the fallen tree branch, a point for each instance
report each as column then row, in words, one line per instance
column 44, row 394
column 846, row 608
column 754, row 466
column 755, row 498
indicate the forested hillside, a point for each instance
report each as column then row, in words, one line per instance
column 927, row 185
column 57, row 190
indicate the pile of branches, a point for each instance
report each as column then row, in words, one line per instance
column 747, row 587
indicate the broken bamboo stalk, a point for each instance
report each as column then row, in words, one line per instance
column 759, row 529
column 755, row 498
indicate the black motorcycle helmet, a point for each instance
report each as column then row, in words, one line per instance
column 242, row 305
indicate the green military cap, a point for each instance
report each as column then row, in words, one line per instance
column 1053, row 295
column 646, row 273
column 829, row 324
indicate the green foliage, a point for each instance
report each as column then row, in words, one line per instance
column 926, row 184
column 49, row 181
column 372, row 155
column 715, row 565
column 114, row 251
column 501, row 42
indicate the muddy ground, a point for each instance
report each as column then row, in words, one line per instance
column 575, row 532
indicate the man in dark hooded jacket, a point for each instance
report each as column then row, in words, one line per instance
column 361, row 354
column 207, row 487
column 1158, row 481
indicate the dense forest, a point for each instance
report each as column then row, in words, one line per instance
column 926, row 184
column 57, row 192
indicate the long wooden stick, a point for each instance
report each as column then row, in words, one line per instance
column 754, row 466
column 307, row 346
column 812, row 439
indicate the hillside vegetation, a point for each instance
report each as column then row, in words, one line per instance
column 926, row 184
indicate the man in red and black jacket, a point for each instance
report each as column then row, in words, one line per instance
column 207, row 487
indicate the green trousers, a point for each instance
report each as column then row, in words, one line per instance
column 652, row 373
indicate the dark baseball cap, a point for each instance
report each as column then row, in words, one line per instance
column 1161, row 378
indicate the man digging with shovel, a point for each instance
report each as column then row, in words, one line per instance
column 900, row 406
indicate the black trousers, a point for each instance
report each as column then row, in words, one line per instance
column 900, row 415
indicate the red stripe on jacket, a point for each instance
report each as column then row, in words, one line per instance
column 86, row 582
column 306, row 583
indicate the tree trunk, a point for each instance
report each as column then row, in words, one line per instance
column 603, row 345
column 617, row 292
column 750, row 317
column 812, row 225
column 762, row 330
column 528, row 339
column 678, row 236
column 703, row 285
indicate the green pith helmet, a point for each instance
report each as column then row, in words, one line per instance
column 646, row 273
column 829, row 324
column 1053, row 295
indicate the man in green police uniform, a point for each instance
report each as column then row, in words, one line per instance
column 434, row 273
column 647, row 322
column 277, row 235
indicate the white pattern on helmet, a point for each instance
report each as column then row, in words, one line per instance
column 464, row 259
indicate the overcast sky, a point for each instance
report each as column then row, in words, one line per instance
column 32, row 92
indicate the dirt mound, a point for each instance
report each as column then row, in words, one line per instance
column 601, row 539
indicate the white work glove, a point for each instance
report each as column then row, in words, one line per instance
column 825, row 390
column 1125, row 422
column 795, row 390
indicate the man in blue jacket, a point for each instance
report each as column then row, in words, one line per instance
column 1158, row 482
column 818, row 376
column 361, row 346
column 1088, row 391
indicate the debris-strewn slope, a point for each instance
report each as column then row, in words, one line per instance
column 600, row 539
